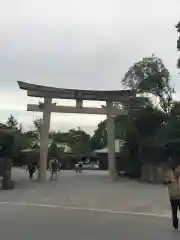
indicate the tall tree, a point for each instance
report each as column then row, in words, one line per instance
column 12, row 122
column 37, row 124
column 99, row 138
column 150, row 76
column 79, row 141
column 61, row 137
column 53, row 151
column 178, row 43
column 122, row 122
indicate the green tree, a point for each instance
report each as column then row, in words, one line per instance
column 79, row 141
column 60, row 137
column 53, row 151
column 178, row 42
column 140, row 131
column 149, row 126
column 169, row 135
column 150, row 76
column 12, row 122
column 171, row 128
column 99, row 138
column 122, row 122
column 37, row 124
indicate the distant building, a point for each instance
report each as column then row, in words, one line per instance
column 102, row 154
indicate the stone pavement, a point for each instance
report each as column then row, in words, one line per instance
column 84, row 206
column 91, row 189
column 43, row 223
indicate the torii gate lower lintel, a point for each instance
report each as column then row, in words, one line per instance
column 48, row 93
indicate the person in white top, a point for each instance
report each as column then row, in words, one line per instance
column 172, row 180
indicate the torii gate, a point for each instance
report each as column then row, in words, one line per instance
column 48, row 93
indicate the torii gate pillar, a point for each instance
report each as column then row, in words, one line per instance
column 44, row 135
column 110, row 141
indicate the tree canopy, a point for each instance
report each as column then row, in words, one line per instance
column 150, row 76
column 12, row 122
column 78, row 140
column 37, row 124
column 178, row 43
column 150, row 130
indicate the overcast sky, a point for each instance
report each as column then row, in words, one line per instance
column 86, row 44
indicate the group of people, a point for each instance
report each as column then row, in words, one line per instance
column 171, row 180
column 54, row 167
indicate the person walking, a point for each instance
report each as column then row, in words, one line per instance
column 54, row 168
column 59, row 166
column 80, row 166
column 77, row 167
column 172, row 180
column 31, row 169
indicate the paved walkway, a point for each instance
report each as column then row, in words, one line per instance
column 43, row 223
column 92, row 190
column 84, row 206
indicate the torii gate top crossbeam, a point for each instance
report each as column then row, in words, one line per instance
column 35, row 90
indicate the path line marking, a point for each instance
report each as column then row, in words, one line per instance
column 86, row 209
